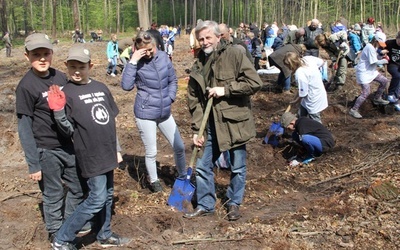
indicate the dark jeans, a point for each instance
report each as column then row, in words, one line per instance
column 99, row 202
column 394, row 87
column 58, row 167
column 284, row 82
column 8, row 51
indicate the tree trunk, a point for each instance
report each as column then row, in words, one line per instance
column 26, row 17
column 397, row 18
column 316, row 9
column 44, row 15
column 151, row 12
column 185, row 14
column 194, row 13
column 173, row 11
column 61, row 20
column 118, row 15
column 54, row 25
column 105, row 21
column 75, row 14
column 3, row 16
column 31, row 11
column 143, row 10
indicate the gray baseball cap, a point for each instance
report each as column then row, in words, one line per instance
column 79, row 53
column 287, row 118
column 38, row 40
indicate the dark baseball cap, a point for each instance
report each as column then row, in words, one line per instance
column 37, row 40
column 79, row 53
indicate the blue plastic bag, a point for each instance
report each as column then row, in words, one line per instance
column 273, row 134
column 324, row 71
column 224, row 160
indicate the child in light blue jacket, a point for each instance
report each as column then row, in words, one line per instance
column 112, row 55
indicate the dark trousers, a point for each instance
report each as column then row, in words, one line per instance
column 394, row 87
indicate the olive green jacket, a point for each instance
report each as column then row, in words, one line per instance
column 233, row 118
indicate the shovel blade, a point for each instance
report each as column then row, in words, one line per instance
column 181, row 194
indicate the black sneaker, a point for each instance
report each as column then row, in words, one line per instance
column 51, row 238
column 156, row 187
column 64, row 246
column 114, row 241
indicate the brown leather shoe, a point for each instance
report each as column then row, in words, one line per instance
column 233, row 212
column 197, row 213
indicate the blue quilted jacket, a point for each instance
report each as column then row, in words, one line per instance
column 156, row 85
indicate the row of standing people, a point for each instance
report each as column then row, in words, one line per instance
column 313, row 100
column 343, row 46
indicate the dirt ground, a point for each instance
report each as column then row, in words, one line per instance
column 336, row 202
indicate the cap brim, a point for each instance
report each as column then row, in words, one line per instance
column 382, row 44
column 37, row 46
column 79, row 59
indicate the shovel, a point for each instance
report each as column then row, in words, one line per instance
column 183, row 190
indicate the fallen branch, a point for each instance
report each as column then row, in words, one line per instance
column 154, row 238
column 198, row 241
column 28, row 192
column 29, row 237
column 371, row 165
column 310, row 233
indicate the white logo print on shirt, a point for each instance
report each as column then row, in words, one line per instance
column 100, row 114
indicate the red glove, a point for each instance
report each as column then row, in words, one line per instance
column 56, row 98
column 335, row 66
column 386, row 57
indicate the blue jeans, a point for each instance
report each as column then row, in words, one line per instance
column 205, row 189
column 311, row 143
column 112, row 66
column 284, row 82
column 58, row 167
column 99, row 201
column 148, row 133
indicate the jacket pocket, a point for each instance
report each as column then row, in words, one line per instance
column 143, row 99
column 225, row 76
column 239, row 124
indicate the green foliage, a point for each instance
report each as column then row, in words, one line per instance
column 95, row 14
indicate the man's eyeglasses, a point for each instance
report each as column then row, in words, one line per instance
column 146, row 39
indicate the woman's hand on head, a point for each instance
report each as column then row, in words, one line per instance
column 137, row 55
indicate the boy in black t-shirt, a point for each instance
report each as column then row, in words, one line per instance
column 89, row 118
column 49, row 155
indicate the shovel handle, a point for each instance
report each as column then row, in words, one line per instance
column 288, row 108
column 201, row 130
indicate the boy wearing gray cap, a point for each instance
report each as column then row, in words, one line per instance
column 85, row 111
column 49, row 155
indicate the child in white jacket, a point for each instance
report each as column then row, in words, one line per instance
column 366, row 73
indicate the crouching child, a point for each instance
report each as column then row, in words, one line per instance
column 314, row 137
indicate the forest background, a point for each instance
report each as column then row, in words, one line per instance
column 59, row 18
